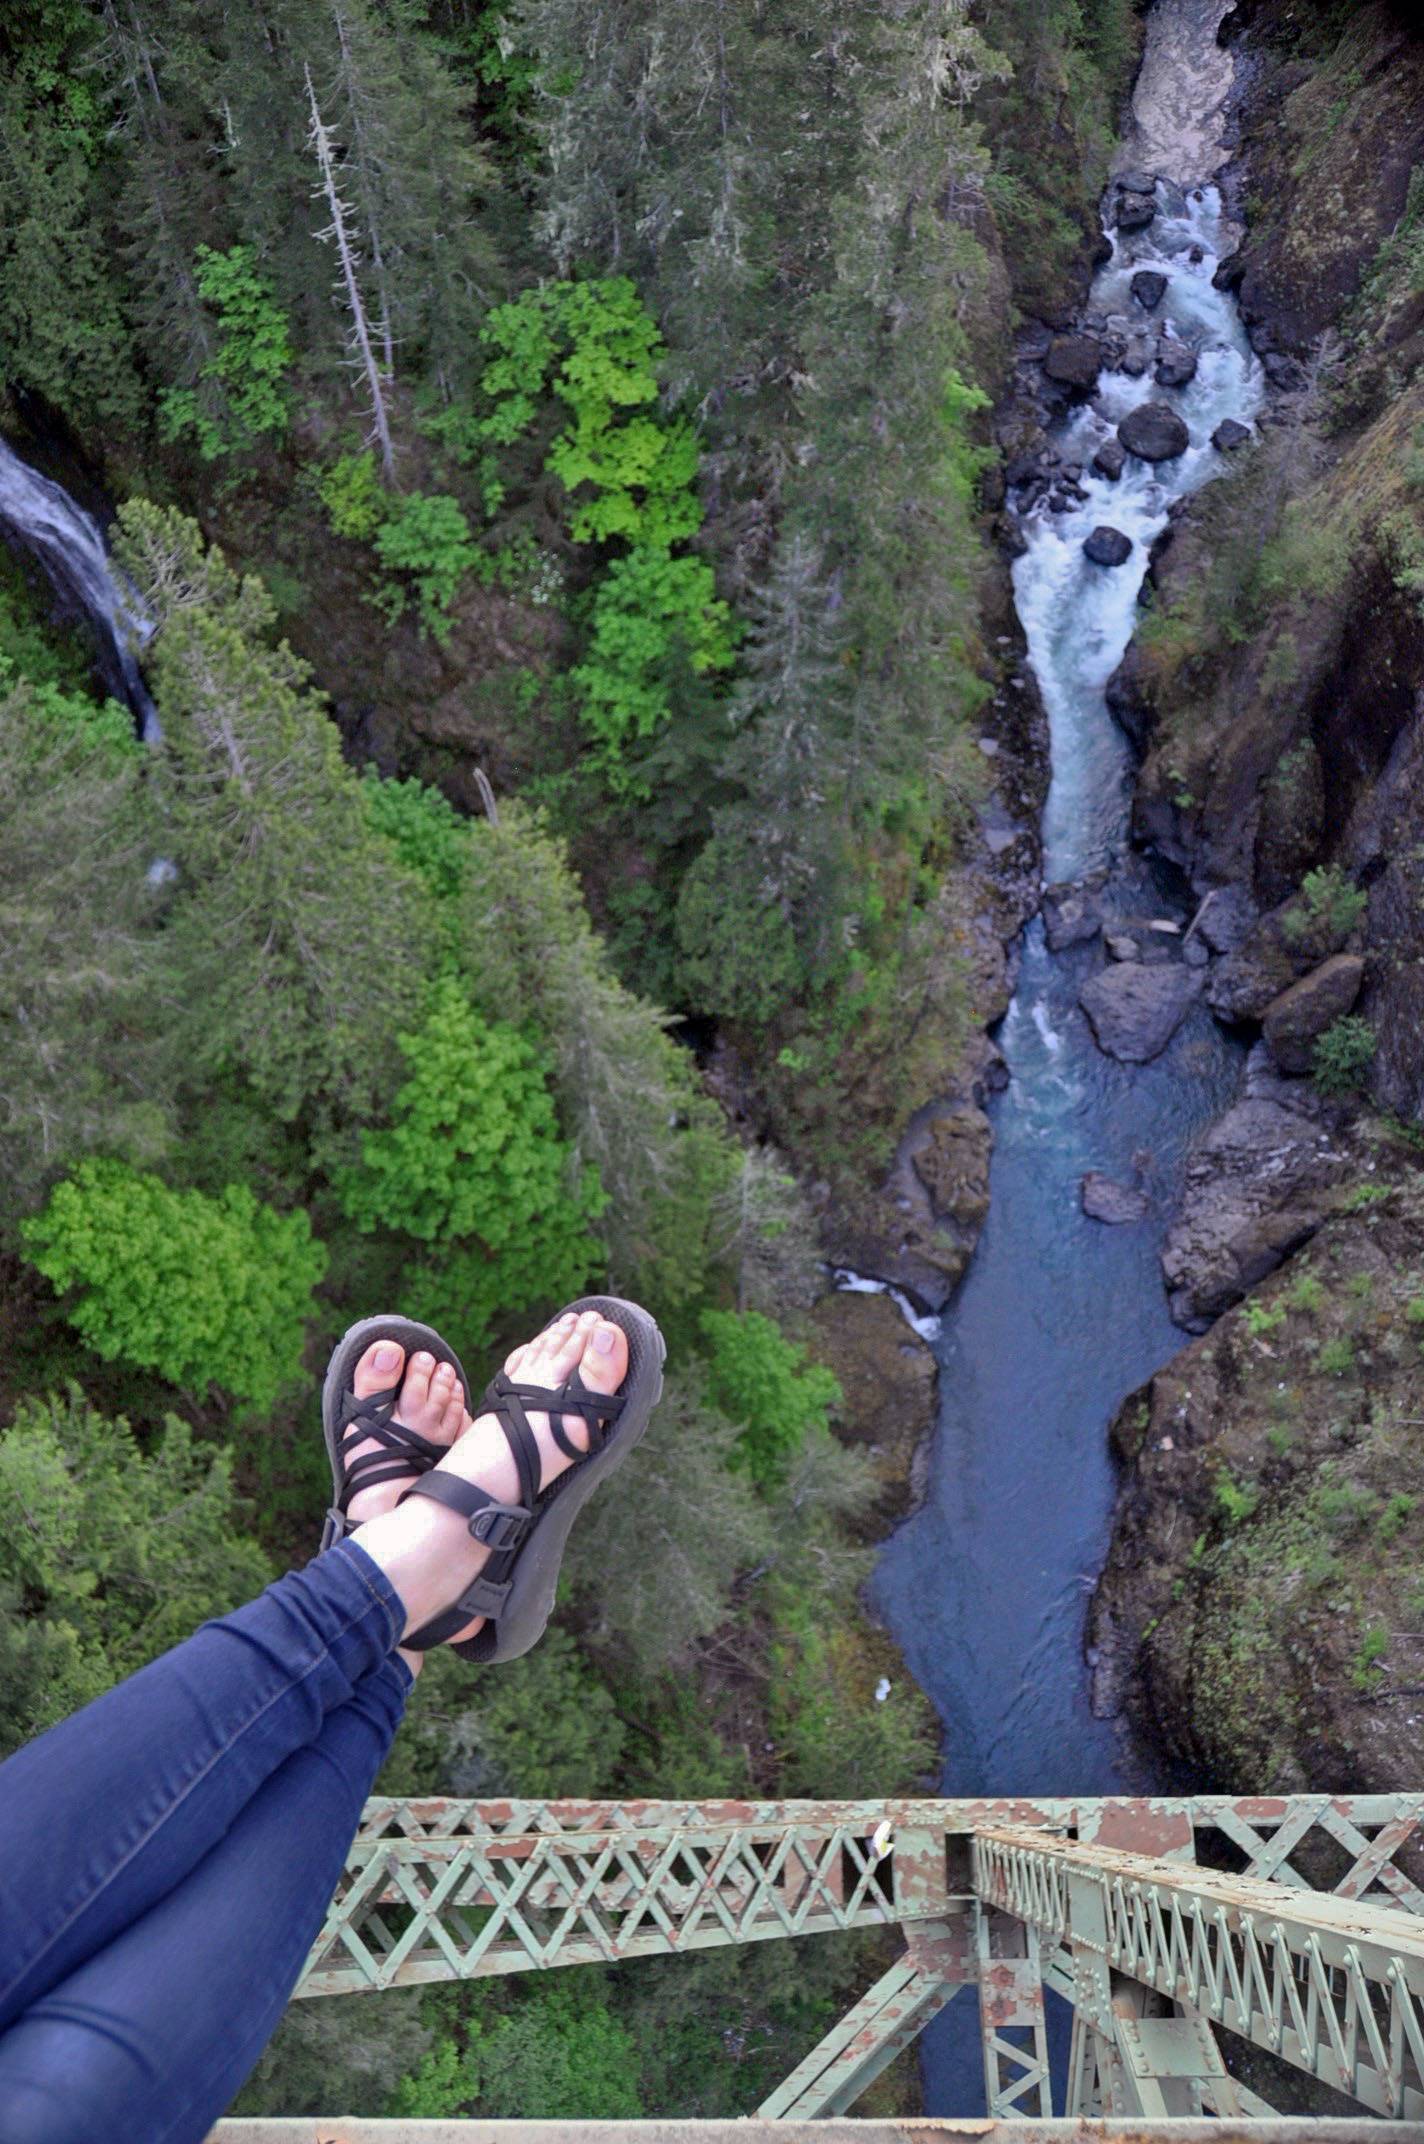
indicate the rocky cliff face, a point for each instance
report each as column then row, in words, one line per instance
column 1278, row 687
column 1261, row 1616
column 1261, row 1613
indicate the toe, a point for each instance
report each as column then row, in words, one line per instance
column 415, row 1392
column 454, row 1421
column 605, row 1358
column 378, row 1369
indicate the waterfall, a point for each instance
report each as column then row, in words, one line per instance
column 69, row 544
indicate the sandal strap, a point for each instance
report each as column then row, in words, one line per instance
column 501, row 1527
column 403, row 1451
column 506, row 1397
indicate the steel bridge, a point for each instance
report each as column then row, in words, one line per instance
column 1182, row 1932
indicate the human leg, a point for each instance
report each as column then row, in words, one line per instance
column 105, row 1813
column 152, row 2036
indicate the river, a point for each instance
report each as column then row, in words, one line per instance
column 986, row 1586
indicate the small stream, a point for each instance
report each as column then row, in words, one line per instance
column 986, row 1586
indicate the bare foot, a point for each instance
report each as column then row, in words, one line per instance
column 432, row 1402
column 424, row 1548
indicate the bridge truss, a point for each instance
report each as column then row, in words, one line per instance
column 1176, row 1929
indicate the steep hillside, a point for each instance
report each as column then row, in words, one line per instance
column 1261, row 1612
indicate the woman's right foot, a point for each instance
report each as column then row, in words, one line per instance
column 424, row 1548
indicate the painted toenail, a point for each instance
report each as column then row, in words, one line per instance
column 386, row 1357
column 603, row 1341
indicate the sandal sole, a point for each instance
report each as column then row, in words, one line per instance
column 407, row 1333
column 535, row 1579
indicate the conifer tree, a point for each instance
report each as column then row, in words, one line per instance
column 300, row 944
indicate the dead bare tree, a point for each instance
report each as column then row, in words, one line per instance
column 340, row 232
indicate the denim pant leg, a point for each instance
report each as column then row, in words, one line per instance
column 102, row 1816
column 152, row 2037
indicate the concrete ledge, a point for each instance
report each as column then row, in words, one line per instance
column 842, row 2129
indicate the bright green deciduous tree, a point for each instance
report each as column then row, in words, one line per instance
column 473, row 1161
column 109, row 1555
column 240, row 397
column 425, row 536
column 761, row 1379
column 630, row 475
column 203, row 1290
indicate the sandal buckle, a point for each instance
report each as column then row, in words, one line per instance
column 500, row 1526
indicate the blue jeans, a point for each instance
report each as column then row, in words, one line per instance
column 168, row 1854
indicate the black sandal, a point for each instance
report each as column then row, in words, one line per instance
column 348, row 1421
column 515, row 1590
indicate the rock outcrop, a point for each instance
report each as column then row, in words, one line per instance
column 1135, row 1010
column 1149, row 287
column 887, row 1374
column 1293, row 1022
column 1257, row 1186
column 1259, row 1615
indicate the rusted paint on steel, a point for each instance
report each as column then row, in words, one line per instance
column 1151, row 1826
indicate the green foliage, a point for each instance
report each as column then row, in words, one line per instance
column 629, row 476
column 1395, row 1515
column 1343, row 1055
column 762, row 1380
column 241, row 397
column 650, row 611
column 1307, row 1294
column 354, row 496
column 548, row 1727
column 1365, row 1674
column 555, row 2054
column 1330, row 902
column 203, row 1290
column 425, row 537
column 1337, row 1357
column 283, row 906
column 1263, row 1318
column 84, row 1056
column 473, row 1161
column 1234, row 1500
column 1358, row 1198
column 111, row 1554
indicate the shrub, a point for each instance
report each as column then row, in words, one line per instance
column 1308, row 1294
column 1329, row 902
column 1343, row 1055
column 1234, row 1500
column 425, row 536
column 1395, row 1516
column 762, row 1380
column 1364, row 1673
column 203, row 1290
column 1337, row 1357
column 240, row 397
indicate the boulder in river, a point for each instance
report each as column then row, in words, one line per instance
column 1229, row 436
column 1104, row 1199
column 1176, row 364
column 1294, row 1019
column 1135, row 182
column 1069, row 918
column 1149, row 287
column 1135, row 1009
column 1110, row 459
column 1154, row 433
column 1135, row 360
column 1108, row 547
column 1074, row 361
column 1134, row 212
